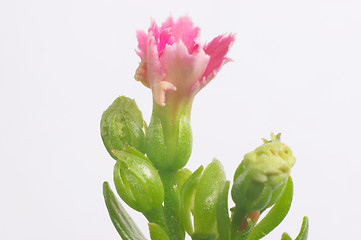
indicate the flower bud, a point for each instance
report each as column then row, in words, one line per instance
column 169, row 137
column 259, row 179
column 205, row 201
column 137, row 181
column 122, row 123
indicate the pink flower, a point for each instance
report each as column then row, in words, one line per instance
column 173, row 62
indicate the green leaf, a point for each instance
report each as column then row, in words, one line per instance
column 182, row 176
column 206, row 197
column 304, row 230
column 285, row 236
column 120, row 218
column 131, row 150
column 223, row 223
column 276, row 215
column 157, row 233
column 187, row 197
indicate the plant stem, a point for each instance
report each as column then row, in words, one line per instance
column 156, row 215
column 172, row 204
column 238, row 216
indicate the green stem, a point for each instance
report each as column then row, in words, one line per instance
column 156, row 215
column 238, row 216
column 172, row 204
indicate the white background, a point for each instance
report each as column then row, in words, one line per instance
column 296, row 70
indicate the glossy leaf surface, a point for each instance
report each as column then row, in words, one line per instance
column 223, row 223
column 206, row 197
column 187, row 198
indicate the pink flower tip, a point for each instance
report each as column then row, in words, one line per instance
column 173, row 62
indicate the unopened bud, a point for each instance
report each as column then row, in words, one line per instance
column 122, row 123
column 261, row 173
column 137, row 181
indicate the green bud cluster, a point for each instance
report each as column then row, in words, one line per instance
column 150, row 177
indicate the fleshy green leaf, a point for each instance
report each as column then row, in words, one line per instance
column 223, row 223
column 206, row 197
column 187, row 196
column 285, row 236
column 276, row 215
column 157, row 233
column 182, row 176
column 120, row 218
column 304, row 230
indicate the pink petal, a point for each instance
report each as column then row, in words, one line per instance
column 142, row 44
column 217, row 50
column 162, row 35
column 154, row 68
column 169, row 23
column 165, row 35
column 154, row 30
column 159, row 90
column 184, row 30
column 183, row 69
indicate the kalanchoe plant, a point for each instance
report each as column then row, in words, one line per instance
column 149, row 173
